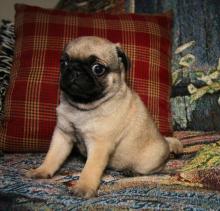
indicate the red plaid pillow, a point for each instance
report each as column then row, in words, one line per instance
column 41, row 35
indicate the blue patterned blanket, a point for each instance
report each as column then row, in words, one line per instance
column 189, row 182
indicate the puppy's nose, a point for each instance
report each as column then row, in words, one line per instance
column 74, row 75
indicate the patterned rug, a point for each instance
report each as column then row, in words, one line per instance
column 189, row 182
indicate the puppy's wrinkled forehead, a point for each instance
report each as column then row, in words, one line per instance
column 84, row 47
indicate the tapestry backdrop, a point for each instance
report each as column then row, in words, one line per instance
column 196, row 61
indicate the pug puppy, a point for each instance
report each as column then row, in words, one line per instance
column 101, row 115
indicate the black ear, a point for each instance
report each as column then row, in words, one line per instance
column 124, row 58
column 64, row 61
column 64, row 55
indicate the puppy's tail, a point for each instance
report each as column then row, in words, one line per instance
column 175, row 145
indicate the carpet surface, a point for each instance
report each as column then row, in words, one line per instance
column 189, row 182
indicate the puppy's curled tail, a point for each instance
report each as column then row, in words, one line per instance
column 175, row 145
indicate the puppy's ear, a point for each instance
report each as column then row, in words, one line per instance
column 64, row 61
column 63, row 53
column 124, row 58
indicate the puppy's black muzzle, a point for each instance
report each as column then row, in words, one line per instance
column 78, row 82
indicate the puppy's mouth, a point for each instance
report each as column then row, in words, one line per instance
column 78, row 93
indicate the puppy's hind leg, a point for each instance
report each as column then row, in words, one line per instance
column 60, row 148
column 152, row 159
column 175, row 145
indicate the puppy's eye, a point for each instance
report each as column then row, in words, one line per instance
column 98, row 69
column 64, row 62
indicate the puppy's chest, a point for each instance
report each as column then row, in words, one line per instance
column 86, row 127
column 85, row 122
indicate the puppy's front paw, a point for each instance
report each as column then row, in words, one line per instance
column 82, row 190
column 38, row 173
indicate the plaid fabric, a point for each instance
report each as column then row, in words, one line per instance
column 41, row 35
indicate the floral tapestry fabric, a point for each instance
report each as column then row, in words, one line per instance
column 188, row 182
column 195, row 63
